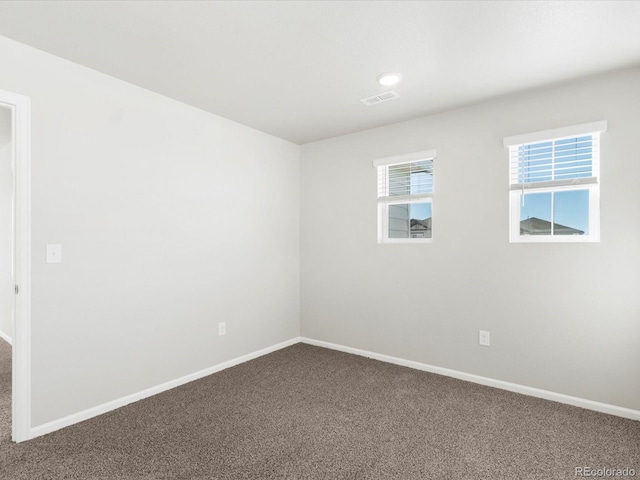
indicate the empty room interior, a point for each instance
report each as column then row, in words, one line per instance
column 319, row 239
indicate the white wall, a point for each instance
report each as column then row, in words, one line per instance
column 6, row 225
column 562, row 317
column 171, row 219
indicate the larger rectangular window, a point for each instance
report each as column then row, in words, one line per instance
column 555, row 185
column 405, row 198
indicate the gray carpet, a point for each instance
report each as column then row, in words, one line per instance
column 310, row 413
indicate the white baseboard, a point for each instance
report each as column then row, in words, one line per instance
column 5, row 337
column 512, row 387
column 469, row 377
column 134, row 397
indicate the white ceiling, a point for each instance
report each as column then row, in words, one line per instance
column 298, row 69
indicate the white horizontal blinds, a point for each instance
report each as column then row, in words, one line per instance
column 405, row 180
column 557, row 162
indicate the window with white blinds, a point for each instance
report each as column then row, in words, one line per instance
column 405, row 179
column 405, row 190
column 563, row 161
column 554, row 184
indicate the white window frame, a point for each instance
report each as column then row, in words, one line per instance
column 385, row 202
column 592, row 184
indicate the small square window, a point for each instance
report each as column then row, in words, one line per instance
column 405, row 191
column 555, row 185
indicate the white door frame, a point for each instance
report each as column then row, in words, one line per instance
column 20, row 107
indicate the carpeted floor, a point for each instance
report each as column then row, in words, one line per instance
column 310, row 413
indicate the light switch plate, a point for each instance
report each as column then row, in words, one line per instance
column 54, row 253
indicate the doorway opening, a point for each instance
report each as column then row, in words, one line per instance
column 15, row 267
column 7, row 295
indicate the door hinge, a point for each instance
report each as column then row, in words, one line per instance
column 17, row 289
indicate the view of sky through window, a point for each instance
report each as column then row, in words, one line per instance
column 549, row 161
column 570, row 208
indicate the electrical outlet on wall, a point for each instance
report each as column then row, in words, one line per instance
column 222, row 328
column 54, row 253
column 484, row 338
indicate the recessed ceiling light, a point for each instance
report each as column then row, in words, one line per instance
column 389, row 78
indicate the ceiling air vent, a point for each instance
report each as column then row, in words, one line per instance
column 379, row 98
